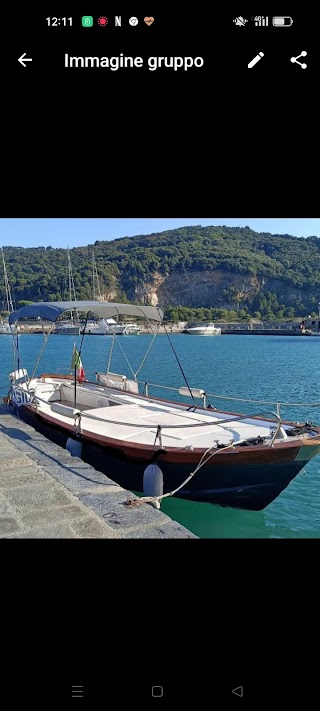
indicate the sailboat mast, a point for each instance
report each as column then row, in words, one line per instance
column 95, row 278
column 69, row 274
column 7, row 285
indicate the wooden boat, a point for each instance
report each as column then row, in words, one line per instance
column 204, row 454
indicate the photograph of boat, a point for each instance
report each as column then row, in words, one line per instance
column 222, row 434
column 220, row 457
column 208, row 329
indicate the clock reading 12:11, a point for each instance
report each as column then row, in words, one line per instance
column 57, row 21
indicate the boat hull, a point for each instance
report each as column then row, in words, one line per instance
column 244, row 480
column 203, row 333
column 72, row 331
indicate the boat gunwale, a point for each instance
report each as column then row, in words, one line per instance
column 189, row 456
column 178, row 455
column 172, row 402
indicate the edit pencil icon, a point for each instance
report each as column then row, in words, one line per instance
column 255, row 60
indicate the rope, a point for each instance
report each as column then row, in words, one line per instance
column 265, row 402
column 111, row 352
column 179, row 364
column 83, row 333
column 156, row 499
column 146, row 354
column 119, row 344
column 45, row 340
column 243, row 399
column 17, row 351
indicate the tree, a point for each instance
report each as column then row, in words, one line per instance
column 23, row 302
column 290, row 312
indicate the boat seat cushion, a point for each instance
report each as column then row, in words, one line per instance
column 89, row 398
column 130, row 386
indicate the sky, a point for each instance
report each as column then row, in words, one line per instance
column 78, row 232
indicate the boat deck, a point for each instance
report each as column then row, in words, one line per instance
column 130, row 418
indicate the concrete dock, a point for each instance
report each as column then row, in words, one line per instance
column 46, row 493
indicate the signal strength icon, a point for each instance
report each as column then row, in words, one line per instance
column 260, row 21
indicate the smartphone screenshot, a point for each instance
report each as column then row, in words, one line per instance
column 159, row 408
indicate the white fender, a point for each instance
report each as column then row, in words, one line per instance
column 153, row 481
column 74, row 447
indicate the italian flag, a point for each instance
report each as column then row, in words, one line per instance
column 76, row 365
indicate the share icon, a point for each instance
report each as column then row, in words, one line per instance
column 294, row 60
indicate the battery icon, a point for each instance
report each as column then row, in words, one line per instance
column 282, row 21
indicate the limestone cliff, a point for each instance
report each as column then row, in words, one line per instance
column 221, row 289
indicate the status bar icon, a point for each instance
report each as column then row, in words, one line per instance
column 240, row 21
column 87, row 21
column 260, row 21
column 102, row 21
column 282, row 21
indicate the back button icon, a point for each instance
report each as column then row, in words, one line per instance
column 238, row 691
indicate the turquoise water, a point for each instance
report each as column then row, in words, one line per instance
column 259, row 367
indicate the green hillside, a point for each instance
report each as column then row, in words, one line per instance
column 284, row 270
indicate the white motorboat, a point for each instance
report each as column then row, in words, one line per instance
column 5, row 328
column 104, row 327
column 208, row 329
column 131, row 329
column 67, row 328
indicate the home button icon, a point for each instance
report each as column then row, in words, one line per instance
column 157, row 692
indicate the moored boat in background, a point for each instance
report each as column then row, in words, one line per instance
column 5, row 328
column 208, row 329
column 131, row 329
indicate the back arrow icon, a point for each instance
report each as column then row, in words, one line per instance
column 24, row 59
column 238, row 691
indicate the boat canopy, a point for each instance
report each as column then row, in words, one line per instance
column 51, row 310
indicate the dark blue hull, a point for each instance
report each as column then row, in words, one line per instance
column 249, row 486
column 252, row 487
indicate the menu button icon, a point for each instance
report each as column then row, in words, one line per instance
column 77, row 692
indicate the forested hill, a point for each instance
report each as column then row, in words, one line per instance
column 217, row 268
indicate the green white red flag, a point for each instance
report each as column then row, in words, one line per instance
column 76, row 365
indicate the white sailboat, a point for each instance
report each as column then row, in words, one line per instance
column 72, row 326
column 103, row 327
column 317, row 332
column 5, row 329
